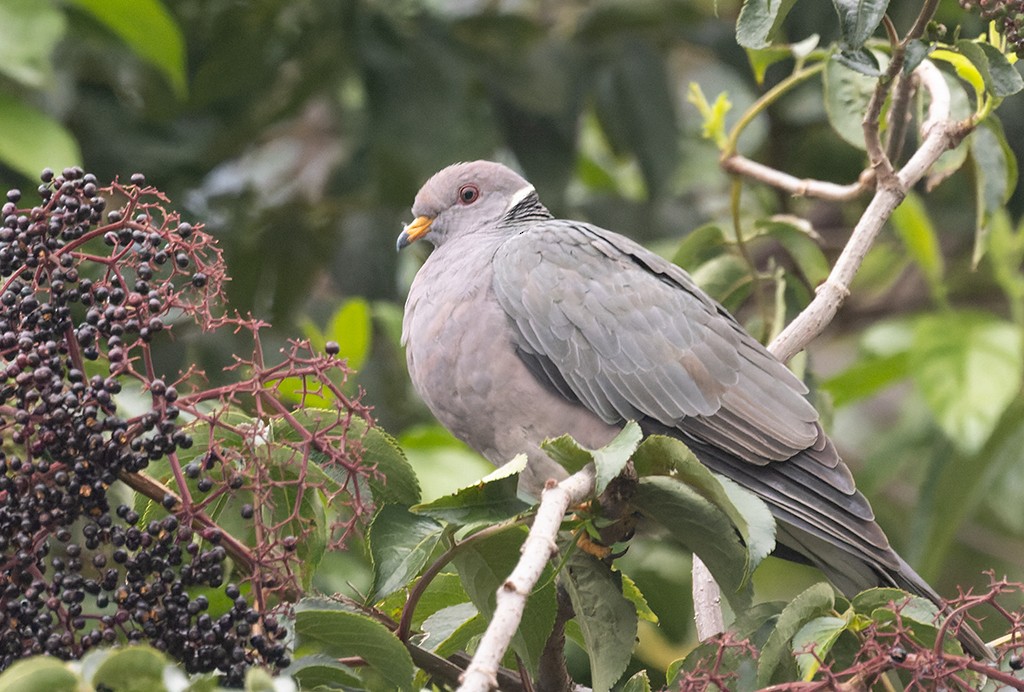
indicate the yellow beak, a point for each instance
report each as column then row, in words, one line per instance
column 414, row 231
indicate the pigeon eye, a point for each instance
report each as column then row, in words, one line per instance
column 468, row 194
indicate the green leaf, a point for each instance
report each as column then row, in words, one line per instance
column 340, row 634
column 31, row 30
column 1000, row 77
column 610, row 459
column 701, row 527
column 445, row 590
column 759, row 21
column 814, row 641
column 913, row 226
column 568, row 453
column 700, row 245
column 400, row 544
column 381, row 451
column 758, row 522
column 39, row 674
column 847, row 92
column 763, row 58
column 444, row 623
column 258, row 680
column 351, row 328
column 865, row 377
column 31, row 140
column 801, row 242
column 484, row 565
column 491, row 499
column 813, row 602
column 318, row 669
column 965, row 70
column 607, row 619
column 862, row 61
column 132, row 669
column 298, row 508
column 149, row 30
column 713, row 116
column 995, row 177
column 968, row 367
column 464, row 634
column 744, row 510
column 858, row 19
column 632, row 594
column 638, row 683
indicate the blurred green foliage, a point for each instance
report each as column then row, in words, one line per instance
column 299, row 133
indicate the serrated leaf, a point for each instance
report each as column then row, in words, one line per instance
column 913, row 226
column 149, row 30
column 814, row 641
column 847, row 93
column 913, row 607
column 381, row 451
column 31, row 140
column 606, row 618
column 341, row 634
column 858, row 19
column 39, row 674
column 633, row 594
column 701, row 527
column 31, row 32
column 491, row 499
column 132, row 669
column 400, row 544
column 484, row 565
column 968, row 367
column 567, row 452
column 610, row 459
column 638, row 683
column 1000, row 77
column 760, row 20
column 811, row 603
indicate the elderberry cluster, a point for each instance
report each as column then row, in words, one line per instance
column 83, row 293
column 1008, row 13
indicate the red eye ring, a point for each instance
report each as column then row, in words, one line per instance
column 469, row 193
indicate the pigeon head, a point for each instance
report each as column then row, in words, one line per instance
column 462, row 198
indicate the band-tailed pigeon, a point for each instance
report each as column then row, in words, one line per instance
column 521, row 327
